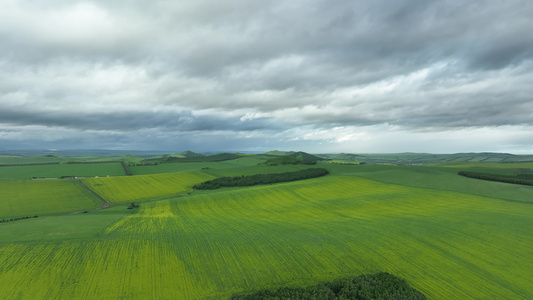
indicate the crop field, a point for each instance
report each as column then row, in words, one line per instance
column 58, row 170
column 245, row 161
column 210, row 244
column 20, row 198
column 135, row 188
column 71, row 226
column 440, row 178
column 32, row 158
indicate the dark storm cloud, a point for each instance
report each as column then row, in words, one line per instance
column 132, row 121
column 261, row 66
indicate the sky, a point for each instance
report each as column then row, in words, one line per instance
column 244, row 75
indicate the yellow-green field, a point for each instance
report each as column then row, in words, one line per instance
column 127, row 189
column 208, row 245
column 34, row 197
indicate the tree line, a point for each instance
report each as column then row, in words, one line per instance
column 126, row 169
column 203, row 158
column 524, row 179
column 287, row 160
column 367, row 286
column 17, row 219
column 260, row 179
column 29, row 164
column 91, row 162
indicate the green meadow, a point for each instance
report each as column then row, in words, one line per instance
column 449, row 236
column 21, row 198
column 124, row 189
column 59, row 170
column 245, row 161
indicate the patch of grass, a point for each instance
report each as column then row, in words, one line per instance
column 441, row 178
column 74, row 226
column 21, row 198
column 243, row 162
column 126, row 189
column 58, row 170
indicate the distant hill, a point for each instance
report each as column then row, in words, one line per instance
column 187, row 154
column 277, row 153
column 428, row 158
column 286, row 160
column 194, row 157
column 299, row 154
column 305, row 156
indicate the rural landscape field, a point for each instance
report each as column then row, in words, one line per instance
column 132, row 227
column 248, row 149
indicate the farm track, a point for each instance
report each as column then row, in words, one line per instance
column 106, row 204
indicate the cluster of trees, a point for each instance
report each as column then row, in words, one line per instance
column 368, row 286
column 29, row 164
column 133, row 205
column 288, row 160
column 339, row 162
column 143, row 164
column 260, row 179
column 92, row 162
column 126, row 169
column 524, row 179
column 17, row 219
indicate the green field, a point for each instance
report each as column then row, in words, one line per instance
column 72, row 226
column 449, row 236
column 58, row 170
column 246, row 161
column 143, row 187
column 35, row 197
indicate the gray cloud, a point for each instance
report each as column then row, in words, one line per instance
column 240, row 67
column 185, row 121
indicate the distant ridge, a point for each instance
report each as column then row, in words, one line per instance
column 429, row 158
column 305, row 156
column 277, row 153
column 299, row 154
column 187, row 154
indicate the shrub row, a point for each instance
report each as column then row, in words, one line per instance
column 17, row 219
column 260, row 179
column 368, row 286
column 29, row 164
column 288, row 160
column 524, row 179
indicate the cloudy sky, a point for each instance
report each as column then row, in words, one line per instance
column 313, row 75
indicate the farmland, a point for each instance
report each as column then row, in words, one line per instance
column 59, row 170
column 450, row 237
column 127, row 189
column 35, row 197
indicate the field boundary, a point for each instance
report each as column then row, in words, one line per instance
column 451, row 189
column 106, row 204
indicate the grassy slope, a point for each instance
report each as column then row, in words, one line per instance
column 56, row 171
column 77, row 226
column 427, row 158
column 246, row 161
column 36, row 197
column 438, row 178
column 142, row 187
column 449, row 245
